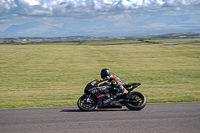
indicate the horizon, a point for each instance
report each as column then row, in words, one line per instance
column 98, row 17
column 92, row 38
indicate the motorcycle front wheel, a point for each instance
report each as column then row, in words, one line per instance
column 87, row 103
column 139, row 103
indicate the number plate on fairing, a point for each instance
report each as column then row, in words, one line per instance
column 101, row 88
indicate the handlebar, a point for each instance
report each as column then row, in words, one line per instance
column 97, row 81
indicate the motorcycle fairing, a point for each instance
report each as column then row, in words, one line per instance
column 101, row 99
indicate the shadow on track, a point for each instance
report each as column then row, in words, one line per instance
column 96, row 110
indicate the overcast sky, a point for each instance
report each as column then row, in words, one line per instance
column 58, row 12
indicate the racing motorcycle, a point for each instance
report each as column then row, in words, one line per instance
column 106, row 95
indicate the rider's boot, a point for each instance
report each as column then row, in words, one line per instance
column 122, row 90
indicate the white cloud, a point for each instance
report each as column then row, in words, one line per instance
column 32, row 2
column 75, row 7
column 62, row 11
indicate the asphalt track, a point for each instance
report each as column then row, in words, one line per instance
column 154, row 118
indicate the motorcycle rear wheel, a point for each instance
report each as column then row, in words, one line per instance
column 140, row 104
column 86, row 104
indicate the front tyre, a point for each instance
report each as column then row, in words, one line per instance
column 139, row 102
column 87, row 103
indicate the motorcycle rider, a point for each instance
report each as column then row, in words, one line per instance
column 114, row 79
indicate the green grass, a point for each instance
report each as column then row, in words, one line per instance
column 55, row 75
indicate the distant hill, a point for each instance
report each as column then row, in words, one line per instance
column 31, row 26
column 85, row 25
column 107, row 28
column 168, row 20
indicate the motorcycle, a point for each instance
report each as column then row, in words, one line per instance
column 107, row 96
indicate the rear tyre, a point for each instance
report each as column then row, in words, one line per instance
column 86, row 103
column 139, row 103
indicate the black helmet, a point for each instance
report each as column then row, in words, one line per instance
column 105, row 73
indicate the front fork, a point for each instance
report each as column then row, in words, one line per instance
column 88, row 98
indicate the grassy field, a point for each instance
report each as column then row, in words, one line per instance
column 55, row 75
